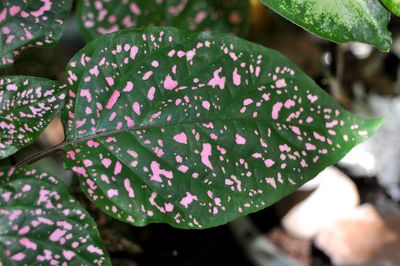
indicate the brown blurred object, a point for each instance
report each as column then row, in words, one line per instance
column 259, row 18
column 53, row 134
column 356, row 239
column 298, row 249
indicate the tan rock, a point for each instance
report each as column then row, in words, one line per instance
column 356, row 239
column 335, row 197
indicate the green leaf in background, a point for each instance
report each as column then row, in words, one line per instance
column 27, row 106
column 101, row 17
column 41, row 224
column 30, row 23
column 393, row 6
column 340, row 21
column 196, row 129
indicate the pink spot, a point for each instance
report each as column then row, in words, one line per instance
column 269, row 163
column 169, row 207
column 205, row 155
column 169, row 83
column 271, row 181
column 14, row 10
column 57, row 234
column 128, row 87
column 133, row 52
column 188, row 199
column 147, row 75
column 276, row 109
column 150, row 94
column 28, row 244
column 181, row 138
column 157, row 172
column 217, row 80
column 310, row 147
column 289, row 104
column 155, row 63
column 46, row 7
column 135, row 9
column 280, row 83
column 93, row 249
column 136, row 108
column 117, row 168
column 110, row 81
column 68, row 254
column 236, row 78
column 112, row 193
column 247, row 101
column 113, row 99
column 240, row 140
column 312, row 98
column 129, row 189
column 106, row 162
column 206, row 105
column 87, row 163
column 18, row 257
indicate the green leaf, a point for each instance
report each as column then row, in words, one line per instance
column 41, row 224
column 196, row 129
column 101, row 17
column 24, row 24
column 340, row 21
column 27, row 106
column 393, row 6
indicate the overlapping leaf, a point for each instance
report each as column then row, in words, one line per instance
column 27, row 106
column 30, row 23
column 41, row 224
column 196, row 129
column 100, row 17
column 393, row 6
column 340, row 21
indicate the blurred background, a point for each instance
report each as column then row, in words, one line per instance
column 348, row 215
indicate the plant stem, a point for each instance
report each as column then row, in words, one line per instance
column 41, row 155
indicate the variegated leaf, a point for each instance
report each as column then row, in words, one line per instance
column 340, row 21
column 101, row 17
column 30, row 23
column 196, row 129
column 393, row 6
column 27, row 106
column 41, row 224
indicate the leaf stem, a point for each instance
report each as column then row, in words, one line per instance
column 41, row 155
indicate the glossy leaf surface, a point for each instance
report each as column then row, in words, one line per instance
column 340, row 21
column 41, row 224
column 101, row 17
column 196, row 129
column 30, row 23
column 27, row 106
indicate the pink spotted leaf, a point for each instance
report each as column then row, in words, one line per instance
column 102, row 17
column 27, row 106
column 196, row 129
column 33, row 23
column 41, row 224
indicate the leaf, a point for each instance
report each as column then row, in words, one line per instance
column 196, row 129
column 33, row 23
column 41, row 224
column 101, row 17
column 27, row 106
column 393, row 6
column 340, row 21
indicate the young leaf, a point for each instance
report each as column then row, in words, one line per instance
column 30, row 23
column 196, row 129
column 393, row 6
column 101, row 17
column 41, row 224
column 340, row 21
column 27, row 106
